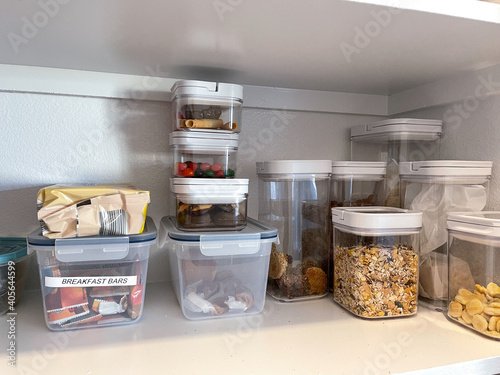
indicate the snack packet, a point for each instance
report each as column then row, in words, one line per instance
column 80, row 211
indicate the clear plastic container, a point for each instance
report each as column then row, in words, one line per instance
column 207, row 204
column 474, row 277
column 436, row 188
column 14, row 271
column 356, row 184
column 93, row 281
column 393, row 141
column 204, row 155
column 376, row 251
column 294, row 197
column 207, row 106
column 219, row 274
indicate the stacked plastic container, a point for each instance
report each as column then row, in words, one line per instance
column 394, row 141
column 218, row 258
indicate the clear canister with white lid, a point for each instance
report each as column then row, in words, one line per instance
column 393, row 141
column 294, row 198
column 207, row 106
column 357, row 183
column 376, row 253
column 204, row 155
column 205, row 204
column 474, row 265
column 436, row 188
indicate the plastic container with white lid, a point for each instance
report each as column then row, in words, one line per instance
column 204, row 155
column 93, row 281
column 437, row 187
column 393, row 141
column 357, row 183
column 206, row 106
column 376, row 253
column 474, row 271
column 219, row 274
column 14, row 271
column 205, row 204
column 294, row 197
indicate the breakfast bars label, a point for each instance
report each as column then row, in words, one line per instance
column 62, row 282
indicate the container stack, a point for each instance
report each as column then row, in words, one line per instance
column 218, row 258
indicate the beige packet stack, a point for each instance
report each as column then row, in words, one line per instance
column 79, row 211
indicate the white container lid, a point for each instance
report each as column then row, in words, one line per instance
column 445, row 168
column 213, row 90
column 203, row 140
column 359, row 168
column 209, row 187
column 308, row 167
column 377, row 218
column 400, row 128
column 484, row 223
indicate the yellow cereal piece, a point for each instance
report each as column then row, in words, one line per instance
column 479, row 323
column 455, row 309
column 461, row 299
column 480, row 296
column 494, row 311
column 466, row 317
column 494, row 304
column 481, row 289
column 474, row 307
column 493, row 290
column 493, row 333
column 465, row 293
column 498, row 326
column 492, row 324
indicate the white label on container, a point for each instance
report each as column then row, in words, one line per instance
column 66, row 282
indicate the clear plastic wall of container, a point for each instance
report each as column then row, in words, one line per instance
column 204, row 155
column 436, row 188
column 376, row 253
column 356, row 184
column 474, row 277
column 394, row 141
column 207, row 205
column 294, row 197
column 207, row 106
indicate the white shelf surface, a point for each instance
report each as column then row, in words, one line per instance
column 313, row 337
column 341, row 56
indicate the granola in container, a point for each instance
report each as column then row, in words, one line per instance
column 375, row 273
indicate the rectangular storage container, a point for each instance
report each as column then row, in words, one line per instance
column 393, row 141
column 294, row 196
column 14, row 271
column 93, row 281
column 207, row 106
column 375, row 265
column 206, row 204
column 205, row 155
column 474, row 271
column 357, row 183
column 219, row 274
column 435, row 188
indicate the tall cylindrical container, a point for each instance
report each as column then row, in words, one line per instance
column 294, row 197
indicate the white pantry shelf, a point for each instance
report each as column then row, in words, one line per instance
column 365, row 57
column 312, row 337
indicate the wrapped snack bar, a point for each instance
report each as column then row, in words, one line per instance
column 80, row 211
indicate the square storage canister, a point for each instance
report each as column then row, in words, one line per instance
column 207, row 106
column 93, row 281
column 393, row 141
column 474, row 271
column 294, row 197
column 376, row 249
column 219, row 274
column 437, row 187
